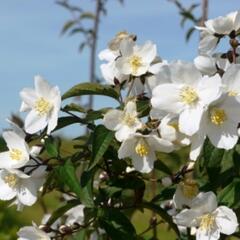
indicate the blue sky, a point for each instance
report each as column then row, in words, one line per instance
column 30, row 42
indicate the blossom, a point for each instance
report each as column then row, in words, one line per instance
column 142, row 150
column 32, row 233
column 43, row 103
column 123, row 122
column 75, row 215
column 185, row 193
column 14, row 183
column 209, row 219
column 134, row 59
column 18, row 152
column 216, row 28
column 188, row 95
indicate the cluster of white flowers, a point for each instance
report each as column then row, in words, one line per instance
column 189, row 103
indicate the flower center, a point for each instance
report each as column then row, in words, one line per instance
column 11, row 180
column 129, row 120
column 189, row 188
column 135, row 62
column 16, row 154
column 42, row 106
column 232, row 93
column 142, row 148
column 188, row 95
column 207, row 222
column 218, row 116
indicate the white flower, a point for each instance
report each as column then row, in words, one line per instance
column 219, row 123
column 141, row 149
column 75, row 215
column 169, row 130
column 216, row 28
column 32, row 233
column 123, row 122
column 186, row 191
column 18, row 152
column 14, row 183
column 43, row 103
column 134, row 59
column 231, row 80
column 209, row 219
column 188, row 95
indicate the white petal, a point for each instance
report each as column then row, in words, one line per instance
column 179, row 200
column 166, row 97
column 52, row 121
column 124, row 132
column 205, row 64
column 127, row 148
column 231, row 78
column 226, row 220
column 42, row 86
column 123, row 66
column 197, row 141
column 27, row 193
column 112, row 119
column 213, row 234
column 126, row 47
column 29, row 97
column 205, row 202
column 144, row 164
column 184, row 73
column 189, row 120
column 159, row 144
column 6, row 193
column 34, row 122
column 187, row 217
column 13, row 140
column 107, row 55
column 207, row 44
column 148, row 52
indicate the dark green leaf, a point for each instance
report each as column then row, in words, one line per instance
column 102, row 138
column 91, row 89
column 73, row 107
column 52, row 146
column 67, row 26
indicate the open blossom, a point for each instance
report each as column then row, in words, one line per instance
column 43, row 102
column 32, row 233
column 209, row 219
column 185, row 193
column 142, row 150
column 18, row 152
column 188, row 95
column 124, row 122
column 134, row 59
column 216, row 28
column 16, row 184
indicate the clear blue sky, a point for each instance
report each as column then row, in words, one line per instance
column 30, row 42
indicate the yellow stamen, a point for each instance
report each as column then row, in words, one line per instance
column 135, row 62
column 11, row 180
column 189, row 188
column 232, row 93
column 174, row 125
column 42, row 106
column 188, row 95
column 129, row 120
column 218, row 116
column 142, row 148
column 207, row 222
column 16, row 154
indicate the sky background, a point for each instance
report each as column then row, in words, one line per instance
column 31, row 44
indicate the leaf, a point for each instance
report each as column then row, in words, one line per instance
column 102, row 138
column 94, row 115
column 116, row 224
column 87, row 15
column 66, row 121
column 67, row 26
column 143, row 107
column 161, row 166
column 73, row 107
column 230, row 195
column 189, row 33
column 60, row 211
column 52, row 147
column 91, row 89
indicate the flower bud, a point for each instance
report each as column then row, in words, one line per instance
column 65, row 229
column 166, row 181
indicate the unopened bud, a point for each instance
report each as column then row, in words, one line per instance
column 166, row 181
column 45, row 228
column 234, row 43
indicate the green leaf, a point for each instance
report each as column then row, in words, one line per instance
column 73, row 107
column 52, row 146
column 61, row 211
column 67, row 26
column 143, row 107
column 66, row 121
column 116, row 224
column 91, row 89
column 102, row 138
column 87, row 15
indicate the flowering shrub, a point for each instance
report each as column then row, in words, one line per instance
column 164, row 109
